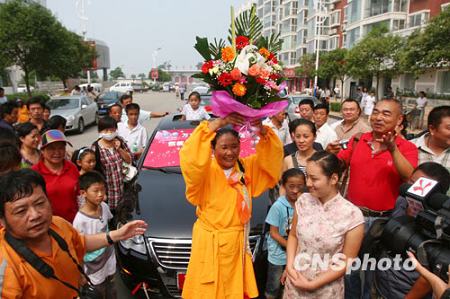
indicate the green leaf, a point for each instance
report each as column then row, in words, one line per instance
column 216, row 48
column 202, row 47
column 272, row 42
column 247, row 24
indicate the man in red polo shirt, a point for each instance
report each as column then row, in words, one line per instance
column 60, row 175
column 379, row 163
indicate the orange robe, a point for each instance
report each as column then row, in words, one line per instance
column 216, row 267
column 24, row 115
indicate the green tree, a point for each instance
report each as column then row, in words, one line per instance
column 141, row 76
column 72, row 56
column 116, row 73
column 29, row 37
column 163, row 76
column 429, row 48
column 333, row 65
column 376, row 55
column 133, row 76
column 307, row 68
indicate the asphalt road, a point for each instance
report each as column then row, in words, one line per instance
column 149, row 101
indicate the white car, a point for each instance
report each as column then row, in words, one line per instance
column 125, row 87
column 23, row 88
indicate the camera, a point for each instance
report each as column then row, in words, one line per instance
column 344, row 143
column 426, row 230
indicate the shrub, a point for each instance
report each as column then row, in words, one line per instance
column 335, row 106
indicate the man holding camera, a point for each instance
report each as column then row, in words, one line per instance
column 379, row 163
column 40, row 254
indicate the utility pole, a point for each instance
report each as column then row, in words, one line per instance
column 81, row 12
column 320, row 20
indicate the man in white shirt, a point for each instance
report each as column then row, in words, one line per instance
column 421, row 103
column 134, row 134
column 3, row 98
column 279, row 125
column 325, row 134
column 143, row 115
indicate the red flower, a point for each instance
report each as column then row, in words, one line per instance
column 206, row 66
column 241, row 42
column 274, row 77
column 273, row 58
column 261, row 81
column 225, row 79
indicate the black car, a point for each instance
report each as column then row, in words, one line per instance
column 159, row 259
column 106, row 100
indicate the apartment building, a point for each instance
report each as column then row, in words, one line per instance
column 310, row 25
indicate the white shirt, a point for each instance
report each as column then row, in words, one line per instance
column 136, row 138
column 3, row 99
column 192, row 114
column 325, row 135
column 88, row 225
column 282, row 132
column 368, row 103
column 421, row 102
column 143, row 116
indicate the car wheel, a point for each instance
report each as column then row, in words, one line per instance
column 80, row 126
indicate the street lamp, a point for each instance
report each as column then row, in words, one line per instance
column 320, row 8
column 154, row 54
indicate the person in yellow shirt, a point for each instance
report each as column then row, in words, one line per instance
column 24, row 115
column 221, row 185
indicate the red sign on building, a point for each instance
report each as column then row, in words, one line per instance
column 154, row 74
column 289, row 73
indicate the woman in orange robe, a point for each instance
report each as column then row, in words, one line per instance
column 221, row 264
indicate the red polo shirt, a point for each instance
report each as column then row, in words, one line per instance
column 62, row 189
column 374, row 180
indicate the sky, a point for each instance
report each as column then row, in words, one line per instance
column 133, row 29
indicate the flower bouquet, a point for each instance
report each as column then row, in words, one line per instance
column 245, row 77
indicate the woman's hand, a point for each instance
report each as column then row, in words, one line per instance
column 300, row 281
column 231, row 119
column 257, row 123
column 129, row 230
column 283, row 277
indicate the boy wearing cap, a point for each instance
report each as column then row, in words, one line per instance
column 60, row 175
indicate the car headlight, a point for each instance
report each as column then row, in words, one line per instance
column 137, row 243
column 70, row 118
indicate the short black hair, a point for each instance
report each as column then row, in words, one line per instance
column 322, row 106
column 79, row 154
column 349, row 100
column 307, row 102
column 124, row 97
column 437, row 172
column 437, row 114
column 291, row 172
column 329, row 163
column 224, row 131
column 302, row 122
column 132, row 106
column 89, row 178
column 19, row 184
column 114, row 105
column 2, row 89
column 7, row 108
column 55, row 122
column 46, row 107
column 36, row 100
column 9, row 136
column 106, row 122
column 10, row 157
column 195, row 94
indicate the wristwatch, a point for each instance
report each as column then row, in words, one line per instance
column 108, row 238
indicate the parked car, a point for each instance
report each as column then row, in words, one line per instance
column 201, row 89
column 160, row 257
column 122, row 87
column 293, row 110
column 23, row 88
column 106, row 100
column 206, row 102
column 79, row 111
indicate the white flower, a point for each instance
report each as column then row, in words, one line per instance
column 214, row 70
column 244, row 58
column 277, row 67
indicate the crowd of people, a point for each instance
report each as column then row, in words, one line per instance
column 329, row 183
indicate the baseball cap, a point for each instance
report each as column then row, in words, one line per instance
column 53, row 136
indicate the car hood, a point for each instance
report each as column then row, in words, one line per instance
column 163, row 205
column 65, row 112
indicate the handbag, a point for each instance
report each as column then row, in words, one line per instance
column 129, row 172
column 88, row 291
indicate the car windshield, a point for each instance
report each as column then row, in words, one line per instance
column 63, row 104
column 109, row 97
column 206, row 99
column 165, row 146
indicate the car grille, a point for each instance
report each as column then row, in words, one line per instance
column 175, row 254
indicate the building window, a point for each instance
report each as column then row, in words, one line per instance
column 336, row 18
column 352, row 37
column 354, row 11
column 400, row 5
column 293, row 58
column 418, row 19
column 293, row 25
column 376, row 7
column 409, row 82
column 445, row 82
column 333, row 43
column 346, row 9
column 398, row 25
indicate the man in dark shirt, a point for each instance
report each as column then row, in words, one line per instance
column 8, row 114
